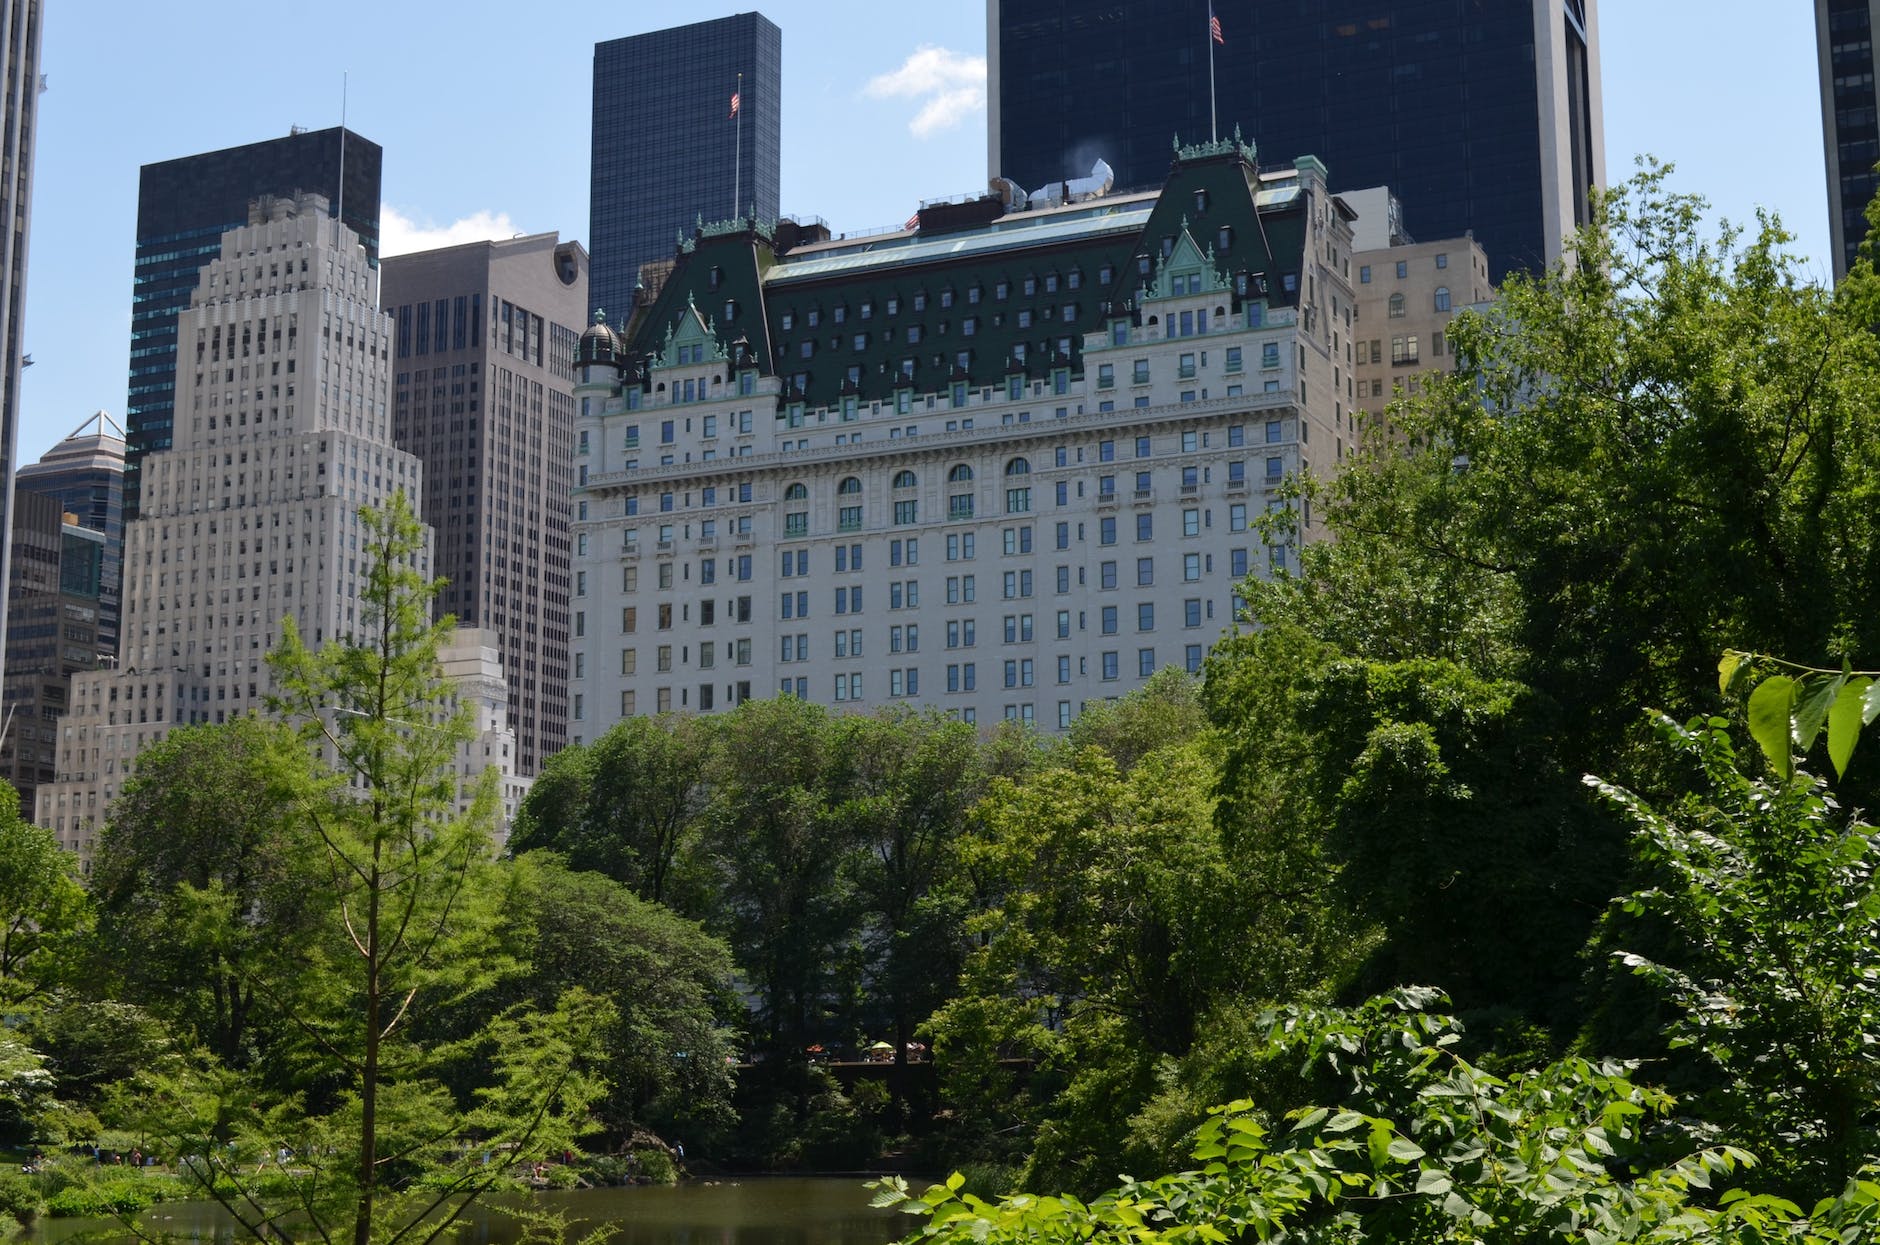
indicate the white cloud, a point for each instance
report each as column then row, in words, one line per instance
column 401, row 235
column 950, row 86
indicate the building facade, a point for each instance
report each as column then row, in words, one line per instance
column 667, row 149
column 1850, row 119
column 20, row 83
column 1408, row 292
column 52, row 634
column 85, row 472
column 1482, row 117
column 184, row 206
column 483, row 395
column 252, row 515
column 1007, row 462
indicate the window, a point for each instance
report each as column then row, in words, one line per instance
column 1269, row 354
column 1145, row 616
column 1191, row 612
column 1191, row 522
column 1106, row 375
column 1106, row 575
column 1106, row 530
column 1233, row 359
column 906, row 511
column 1140, row 372
column 1109, row 666
column 1442, row 298
column 1396, row 306
column 1403, row 269
column 1364, row 274
column 905, row 479
column 1145, row 662
column 1107, row 620
column 1145, row 527
column 1403, row 349
column 1442, row 261
column 1191, row 567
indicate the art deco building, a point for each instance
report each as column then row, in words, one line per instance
column 85, row 472
column 283, row 434
column 184, row 206
column 1481, row 116
column 483, row 394
column 1007, row 462
column 666, row 147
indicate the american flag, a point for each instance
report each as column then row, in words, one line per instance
column 912, row 221
column 1214, row 26
column 737, row 99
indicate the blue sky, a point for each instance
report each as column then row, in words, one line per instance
column 482, row 109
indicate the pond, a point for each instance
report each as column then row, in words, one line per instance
column 761, row 1211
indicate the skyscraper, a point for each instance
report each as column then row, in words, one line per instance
column 184, row 206
column 284, row 434
column 19, row 117
column 484, row 396
column 85, row 472
column 1850, row 122
column 1481, row 117
column 667, row 147
column 52, row 601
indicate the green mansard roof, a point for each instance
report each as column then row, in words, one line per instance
column 763, row 283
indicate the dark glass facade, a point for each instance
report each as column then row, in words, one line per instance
column 1854, row 130
column 666, row 150
column 1437, row 99
column 184, row 207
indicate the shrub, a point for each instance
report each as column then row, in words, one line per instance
column 656, row 1166
column 20, row 1197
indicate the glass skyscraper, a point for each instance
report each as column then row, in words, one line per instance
column 1481, row 115
column 667, row 150
column 184, row 206
column 1851, row 130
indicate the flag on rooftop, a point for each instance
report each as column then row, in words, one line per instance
column 737, row 99
column 1214, row 26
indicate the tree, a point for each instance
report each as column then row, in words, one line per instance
column 917, row 780
column 670, row 1036
column 204, row 881
column 1770, row 890
column 406, row 925
column 42, row 906
column 626, row 805
column 1416, row 1144
column 785, row 858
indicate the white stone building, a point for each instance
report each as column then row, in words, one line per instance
column 1006, row 462
column 283, row 434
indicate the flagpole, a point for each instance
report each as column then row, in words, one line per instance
column 737, row 145
column 1214, row 125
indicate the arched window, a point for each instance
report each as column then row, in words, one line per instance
column 1396, row 306
column 961, row 474
column 1018, row 467
column 1442, row 298
column 849, row 487
column 905, row 479
column 796, row 492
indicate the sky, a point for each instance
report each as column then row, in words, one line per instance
column 483, row 111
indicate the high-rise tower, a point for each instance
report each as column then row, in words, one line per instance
column 85, row 472
column 1850, row 121
column 1480, row 117
column 184, row 206
column 667, row 147
column 484, row 395
column 19, row 117
column 283, row 433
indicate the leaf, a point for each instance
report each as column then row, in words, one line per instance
column 1844, row 722
column 1871, row 708
column 1732, row 664
column 1405, row 1150
column 1769, row 708
column 1434, row 1181
column 1811, row 708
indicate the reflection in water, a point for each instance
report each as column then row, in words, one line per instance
column 750, row 1212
